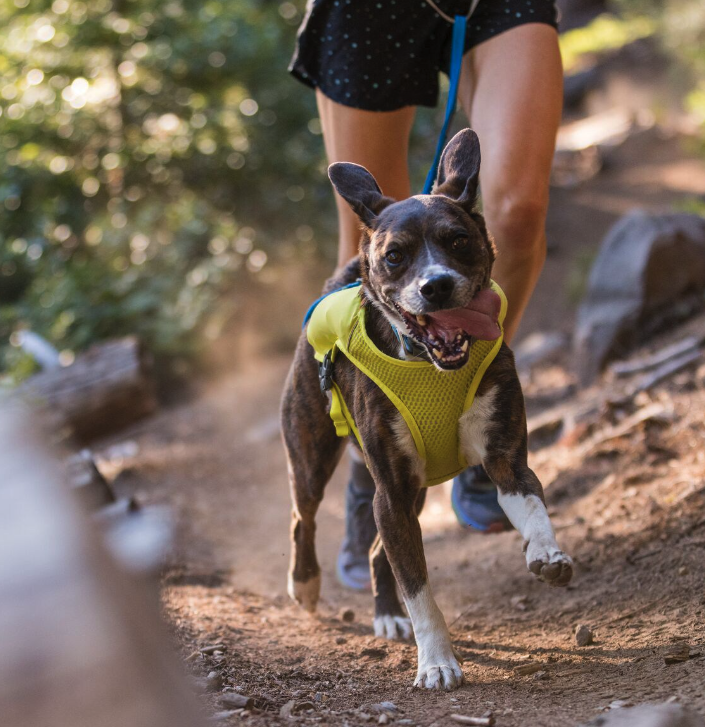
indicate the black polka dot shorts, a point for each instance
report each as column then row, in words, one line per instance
column 382, row 55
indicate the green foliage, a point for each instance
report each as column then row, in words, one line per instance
column 152, row 153
column 681, row 31
column 604, row 33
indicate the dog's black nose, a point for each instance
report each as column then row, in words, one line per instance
column 437, row 289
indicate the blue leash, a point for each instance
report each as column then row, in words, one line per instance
column 456, row 62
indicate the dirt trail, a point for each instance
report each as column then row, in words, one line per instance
column 630, row 511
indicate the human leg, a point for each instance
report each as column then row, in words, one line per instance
column 512, row 91
column 378, row 141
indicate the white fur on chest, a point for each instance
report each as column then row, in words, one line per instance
column 473, row 427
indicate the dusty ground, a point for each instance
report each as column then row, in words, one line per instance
column 629, row 509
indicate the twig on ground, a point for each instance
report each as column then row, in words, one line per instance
column 626, row 368
column 478, row 721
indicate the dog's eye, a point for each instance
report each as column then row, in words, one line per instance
column 460, row 243
column 394, row 257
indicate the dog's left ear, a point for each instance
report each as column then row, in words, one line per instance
column 359, row 189
column 459, row 169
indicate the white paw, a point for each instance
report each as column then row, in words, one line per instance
column 439, row 673
column 306, row 593
column 392, row 627
column 549, row 564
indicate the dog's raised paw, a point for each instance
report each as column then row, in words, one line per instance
column 305, row 593
column 392, row 627
column 553, row 566
column 443, row 676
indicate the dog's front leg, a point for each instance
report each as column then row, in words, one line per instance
column 398, row 479
column 525, row 508
column 495, row 429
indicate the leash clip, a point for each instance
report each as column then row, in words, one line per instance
column 325, row 373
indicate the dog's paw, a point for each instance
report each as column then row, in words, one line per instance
column 446, row 674
column 305, row 593
column 393, row 627
column 549, row 564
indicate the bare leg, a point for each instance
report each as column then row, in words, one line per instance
column 378, row 141
column 512, row 92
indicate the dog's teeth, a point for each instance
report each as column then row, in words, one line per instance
column 464, row 347
column 421, row 320
column 437, row 353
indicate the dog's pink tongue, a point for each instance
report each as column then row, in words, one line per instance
column 479, row 319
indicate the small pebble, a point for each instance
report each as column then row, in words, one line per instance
column 222, row 716
column 526, row 669
column 584, row 635
column 347, row 615
column 213, row 682
column 341, row 640
column 212, row 649
column 383, row 719
column 677, row 653
column 233, row 700
column 683, row 570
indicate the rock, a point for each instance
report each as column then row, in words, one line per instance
column 677, row 653
column 212, row 648
column 346, row 615
column 293, row 707
column 373, row 653
column 584, row 635
column 645, row 264
column 683, row 570
column 519, row 602
column 213, row 682
column 233, row 700
column 383, row 719
column 341, row 640
column 648, row 715
column 383, row 707
column 222, row 716
column 537, row 347
column 526, row 669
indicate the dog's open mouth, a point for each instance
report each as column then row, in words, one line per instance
column 448, row 334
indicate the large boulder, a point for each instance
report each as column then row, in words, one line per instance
column 645, row 265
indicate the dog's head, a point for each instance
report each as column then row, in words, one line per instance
column 426, row 261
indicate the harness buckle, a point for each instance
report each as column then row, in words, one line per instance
column 325, row 373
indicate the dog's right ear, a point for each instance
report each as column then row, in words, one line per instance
column 359, row 189
column 459, row 169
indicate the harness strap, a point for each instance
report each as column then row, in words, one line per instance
column 456, row 62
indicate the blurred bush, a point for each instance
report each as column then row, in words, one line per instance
column 681, row 32
column 151, row 154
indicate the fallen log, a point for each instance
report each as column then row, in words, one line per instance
column 104, row 389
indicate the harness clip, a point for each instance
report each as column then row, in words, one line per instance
column 325, row 373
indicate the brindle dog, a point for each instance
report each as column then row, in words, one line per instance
column 418, row 258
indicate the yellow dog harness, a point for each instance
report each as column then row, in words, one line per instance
column 430, row 401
